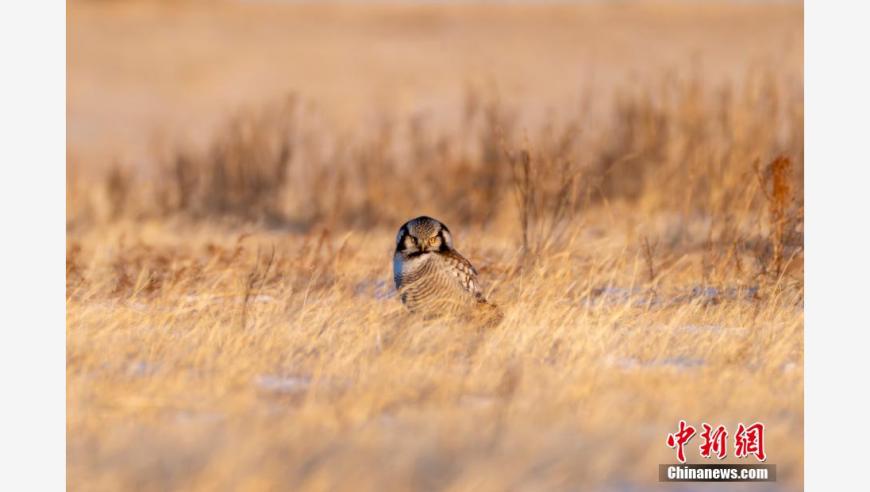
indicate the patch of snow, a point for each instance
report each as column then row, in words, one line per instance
column 478, row 402
column 377, row 289
column 282, row 384
column 191, row 416
column 141, row 369
column 632, row 363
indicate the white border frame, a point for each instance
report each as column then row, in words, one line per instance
column 33, row 184
column 837, row 184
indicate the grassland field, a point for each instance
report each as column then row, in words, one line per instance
column 627, row 178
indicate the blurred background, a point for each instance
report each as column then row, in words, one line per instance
column 415, row 83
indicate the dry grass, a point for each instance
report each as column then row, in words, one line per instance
column 231, row 320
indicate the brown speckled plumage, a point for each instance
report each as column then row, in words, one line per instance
column 432, row 277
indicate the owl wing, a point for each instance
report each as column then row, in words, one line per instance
column 465, row 274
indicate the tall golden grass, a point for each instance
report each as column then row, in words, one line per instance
column 232, row 323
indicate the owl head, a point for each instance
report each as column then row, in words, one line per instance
column 423, row 235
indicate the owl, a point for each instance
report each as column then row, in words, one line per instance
column 431, row 277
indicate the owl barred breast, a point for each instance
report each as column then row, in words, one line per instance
column 431, row 277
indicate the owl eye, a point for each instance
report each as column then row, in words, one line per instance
column 409, row 242
column 433, row 240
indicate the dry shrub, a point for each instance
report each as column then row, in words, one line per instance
column 785, row 217
column 118, row 188
column 546, row 195
column 242, row 172
column 676, row 149
column 679, row 148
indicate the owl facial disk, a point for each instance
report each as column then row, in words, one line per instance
column 414, row 239
column 413, row 245
column 440, row 241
